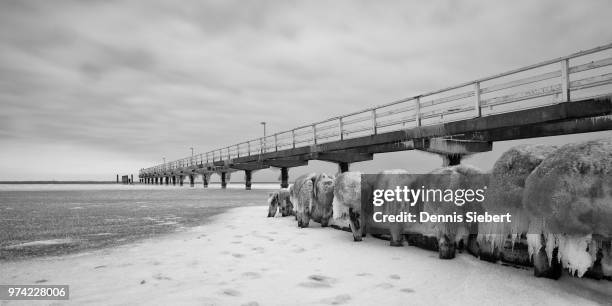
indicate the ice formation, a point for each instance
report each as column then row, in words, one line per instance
column 569, row 199
column 505, row 194
column 453, row 177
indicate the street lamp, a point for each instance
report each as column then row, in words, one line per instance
column 264, row 137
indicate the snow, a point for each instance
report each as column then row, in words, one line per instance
column 243, row 257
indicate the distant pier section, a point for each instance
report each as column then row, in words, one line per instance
column 567, row 95
column 126, row 179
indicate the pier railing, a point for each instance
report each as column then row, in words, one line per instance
column 581, row 75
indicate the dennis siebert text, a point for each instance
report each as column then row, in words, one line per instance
column 424, row 217
column 403, row 199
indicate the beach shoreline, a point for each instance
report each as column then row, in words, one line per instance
column 243, row 258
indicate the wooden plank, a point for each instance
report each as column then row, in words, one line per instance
column 391, row 122
column 591, row 65
column 591, row 82
column 439, row 101
column 395, row 111
column 516, row 83
column 438, row 113
column 530, row 94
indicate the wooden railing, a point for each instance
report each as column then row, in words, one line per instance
column 580, row 75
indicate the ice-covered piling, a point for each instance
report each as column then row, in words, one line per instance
column 505, row 195
column 569, row 199
column 347, row 202
column 312, row 195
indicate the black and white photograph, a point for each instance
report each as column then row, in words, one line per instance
column 271, row 152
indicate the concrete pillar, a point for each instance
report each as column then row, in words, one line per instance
column 167, row 178
column 451, row 159
column 174, row 180
column 181, row 180
column 284, row 177
column 247, row 179
column 205, row 180
column 343, row 167
column 191, row 180
column 131, row 179
column 117, row 178
column 223, row 181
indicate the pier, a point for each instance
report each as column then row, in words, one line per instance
column 567, row 95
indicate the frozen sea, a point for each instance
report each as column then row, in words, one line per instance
column 54, row 219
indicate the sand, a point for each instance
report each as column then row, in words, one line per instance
column 244, row 258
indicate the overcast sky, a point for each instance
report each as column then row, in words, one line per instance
column 93, row 88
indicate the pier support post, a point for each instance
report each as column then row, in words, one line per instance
column 223, row 181
column 284, row 177
column 343, row 167
column 451, row 159
column 174, row 180
column 247, row 179
column 181, row 180
column 205, row 180
column 117, row 178
column 167, row 180
column 191, row 180
column 155, row 180
column 131, row 179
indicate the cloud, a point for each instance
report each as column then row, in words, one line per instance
column 145, row 79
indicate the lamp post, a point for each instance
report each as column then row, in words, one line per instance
column 264, row 137
column 191, row 155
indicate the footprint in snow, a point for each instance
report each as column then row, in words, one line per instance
column 337, row 300
column 384, row 286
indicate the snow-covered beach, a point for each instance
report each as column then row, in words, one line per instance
column 243, row 258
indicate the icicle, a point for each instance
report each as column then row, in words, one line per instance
column 573, row 253
column 551, row 244
column 534, row 243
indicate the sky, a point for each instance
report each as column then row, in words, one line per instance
column 89, row 89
